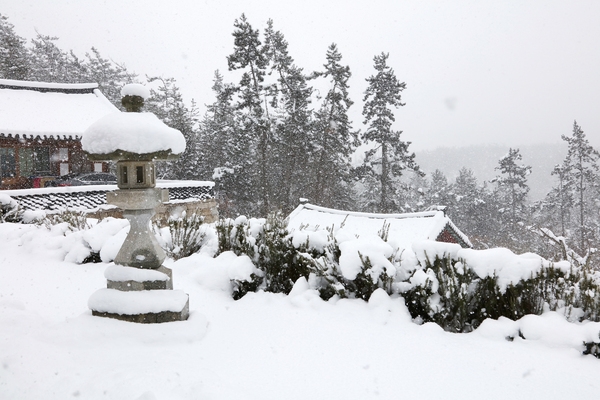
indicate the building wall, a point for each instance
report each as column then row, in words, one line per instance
column 447, row 236
column 26, row 162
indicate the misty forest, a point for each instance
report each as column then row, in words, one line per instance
column 276, row 133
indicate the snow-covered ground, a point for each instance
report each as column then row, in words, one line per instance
column 264, row 346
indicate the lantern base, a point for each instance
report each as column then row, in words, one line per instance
column 146, row 306
column 140, row 295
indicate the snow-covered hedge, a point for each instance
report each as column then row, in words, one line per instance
column 439, row 282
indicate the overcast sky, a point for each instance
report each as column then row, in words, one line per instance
column 498, row 72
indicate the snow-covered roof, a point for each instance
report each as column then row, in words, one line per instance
column 58, row 110
column 404, row 229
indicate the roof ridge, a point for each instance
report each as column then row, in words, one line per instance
column 68, row 88
column 422, row 214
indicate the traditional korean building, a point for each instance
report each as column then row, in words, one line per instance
column 40, row 130
column 402, row 229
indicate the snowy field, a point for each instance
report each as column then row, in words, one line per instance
column 264, row 346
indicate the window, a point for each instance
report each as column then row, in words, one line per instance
column 34, row 161
column 64, row 169
column 139, row 170
column 7, row 162
column 124, row 174
column 60, row 154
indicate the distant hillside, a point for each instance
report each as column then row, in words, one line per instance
column 483, row 160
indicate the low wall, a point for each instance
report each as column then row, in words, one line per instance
column 207, row 208
column 188, row 196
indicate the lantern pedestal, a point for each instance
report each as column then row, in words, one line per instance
column 140, row 250
column 139, row 288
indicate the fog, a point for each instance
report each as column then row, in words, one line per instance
column 478, row 72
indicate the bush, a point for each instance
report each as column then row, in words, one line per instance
column 270, row 247
column 76, row 220
column 186, row 235
column 592, row 348
column 455, row 298
column 437, row 286
column 9, row 209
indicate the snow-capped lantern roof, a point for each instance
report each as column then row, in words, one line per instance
column 403, row 229
column 132, row 135
column 135, row 89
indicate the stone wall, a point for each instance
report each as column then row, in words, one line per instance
column 206, row 208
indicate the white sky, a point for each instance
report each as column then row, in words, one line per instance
column 507, row 72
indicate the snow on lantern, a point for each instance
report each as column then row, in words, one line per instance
column 139, row 287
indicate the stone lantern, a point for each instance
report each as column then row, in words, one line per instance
column 139, row 287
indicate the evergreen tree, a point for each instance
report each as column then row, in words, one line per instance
column 224, row 152
column 512, row 188
column 473, row 209
column 413, row 194
column 555, row 210
column 511, row 197
column 249, row 57
column 439, row 192
column 390, row 157
column 167, row 103
column 334, row 139
column 292, row 141
column 109, row 75
column 51, row 64
column 581, row 172
column 552, row 218
column 14, row 56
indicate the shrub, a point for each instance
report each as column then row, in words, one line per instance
column 592, row 348
column 437, row 285
column 186, row 235
column 455, row 298
column 9, row 209
column 238, row 236
column 446, row 293
column 76, row 220
column 270, row 247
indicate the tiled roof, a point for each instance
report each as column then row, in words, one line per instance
column 91, row 197
column 404, row 229
column 50, row 110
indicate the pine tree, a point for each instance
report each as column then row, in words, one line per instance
column 512, row 186
column 249, row 56
column 167, row 103
column 224, row 152
column 555, row 210
column 473, row 209
column 292, row 142
column 109, row 75
column 439, row 192
column 390, row 157
column 49, row 63
column 14, row 56
column 216, row 141
column 582, row 169
column 511, row 197
column 334, row 138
